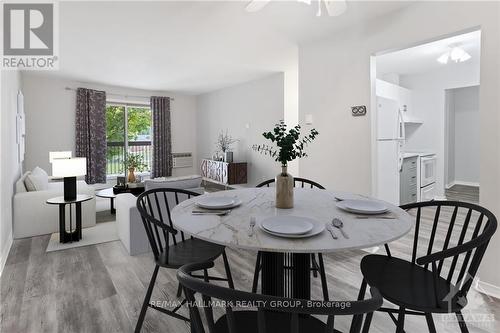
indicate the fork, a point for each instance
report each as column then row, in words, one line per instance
column 252, row 225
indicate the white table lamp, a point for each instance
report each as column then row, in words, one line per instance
column 59, row 154
column 69, row 169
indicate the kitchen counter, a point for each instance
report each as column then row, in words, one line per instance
column 417, row 154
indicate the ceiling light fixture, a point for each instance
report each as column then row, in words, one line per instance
column 455, row 54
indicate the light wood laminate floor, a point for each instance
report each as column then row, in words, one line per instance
column 100, row 288
column 463, row 193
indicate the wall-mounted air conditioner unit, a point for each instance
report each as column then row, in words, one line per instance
column 182, row 160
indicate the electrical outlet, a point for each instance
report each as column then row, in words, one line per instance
column 359, row 110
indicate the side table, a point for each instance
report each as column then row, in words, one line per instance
column 109, row 194
column 73, row 235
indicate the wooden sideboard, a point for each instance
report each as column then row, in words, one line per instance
column 224, row 173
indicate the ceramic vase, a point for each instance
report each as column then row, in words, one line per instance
column 228, row 156
column 284, row 189
column 131, row 175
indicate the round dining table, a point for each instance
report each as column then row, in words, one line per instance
column 286, row 262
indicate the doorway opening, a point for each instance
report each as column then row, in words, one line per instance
column 426, row 137
column 462, row 149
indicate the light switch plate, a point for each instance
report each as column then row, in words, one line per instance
column 309, row 119
column 359, row 110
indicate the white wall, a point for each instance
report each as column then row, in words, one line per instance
column 334, row 74
column 449, row 139
column 465, row 134
column 429, row 105
column 291, row 106
column 50, row 113
column 259, row 104
column 10, row 169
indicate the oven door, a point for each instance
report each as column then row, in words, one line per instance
column 427, row 170
column 428, row 193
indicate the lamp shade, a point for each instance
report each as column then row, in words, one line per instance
column 69, row 167
column 59, row 154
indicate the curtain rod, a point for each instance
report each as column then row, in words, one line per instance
column 120, row 95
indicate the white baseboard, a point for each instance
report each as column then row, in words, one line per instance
column 487, row 288
column 5, row 253
column 449, row 185
column 459, row 182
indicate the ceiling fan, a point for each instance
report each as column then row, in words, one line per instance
column 333, row 7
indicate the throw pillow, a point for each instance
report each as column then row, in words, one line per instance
column 38, row 180
column 20, row 187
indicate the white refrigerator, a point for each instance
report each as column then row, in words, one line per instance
column 390, row 143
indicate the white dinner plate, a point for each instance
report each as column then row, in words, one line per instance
column 341, row 196
column 363, row 206
column 213, row 202
column 287, row 225
column 317, row 227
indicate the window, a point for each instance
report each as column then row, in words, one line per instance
column 134, row 123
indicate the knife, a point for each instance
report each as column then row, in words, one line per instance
column 211, row 212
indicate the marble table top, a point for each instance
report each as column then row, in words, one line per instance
column 232, row 230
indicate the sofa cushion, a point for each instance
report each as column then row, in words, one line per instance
column 20, row 187
column 37, row 180
column 185, row 183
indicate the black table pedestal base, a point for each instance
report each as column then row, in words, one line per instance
column 286, row 274
column 69, row 237
column 72, row 235
column 112, row 204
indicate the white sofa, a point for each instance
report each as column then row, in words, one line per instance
column 130, row 226
column 34, row 217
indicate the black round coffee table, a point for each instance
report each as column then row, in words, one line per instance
column 109, row 194
column 73, row 235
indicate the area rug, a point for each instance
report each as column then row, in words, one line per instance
column 101, row 233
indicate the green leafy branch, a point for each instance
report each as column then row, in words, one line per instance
column 289, row 145
column 135, row 161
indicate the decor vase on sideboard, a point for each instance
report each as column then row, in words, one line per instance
column 228, row 156
column 284, row 189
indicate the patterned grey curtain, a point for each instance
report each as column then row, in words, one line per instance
column 91, row 132
column 162, row 142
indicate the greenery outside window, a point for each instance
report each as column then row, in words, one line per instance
column 133, row 122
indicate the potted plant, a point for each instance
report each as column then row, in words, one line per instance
column 134, row 162
column 224, row 143
column 289, row 146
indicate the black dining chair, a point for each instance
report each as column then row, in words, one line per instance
column 301, row 182
column 315, row 266
column 272, row 314
column 171, row 248
column 445, row 257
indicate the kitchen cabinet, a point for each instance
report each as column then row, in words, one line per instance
column 393, row 91
column 405, row 102
column 408, row 185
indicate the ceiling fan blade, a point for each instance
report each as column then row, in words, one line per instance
column 256, row 5
column 335, row 7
